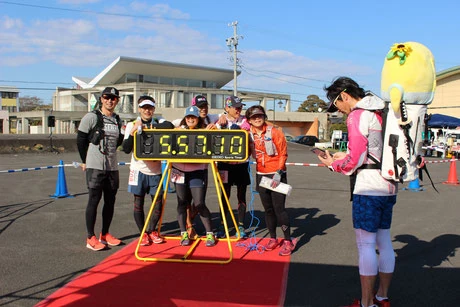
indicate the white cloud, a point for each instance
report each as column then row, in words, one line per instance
column 10, row 24
column 15, row 61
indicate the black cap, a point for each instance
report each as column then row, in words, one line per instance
column 199, row 101
column 111, row 91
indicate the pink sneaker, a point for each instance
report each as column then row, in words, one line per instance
column 109, row 239
column 271, row 245
column 145, row 241
column 155, row 237
column 383, row 303
column 356, row 303
column 288, row 247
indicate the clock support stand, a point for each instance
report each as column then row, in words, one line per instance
column 186, row 258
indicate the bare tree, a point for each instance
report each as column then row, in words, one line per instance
column 28, row 103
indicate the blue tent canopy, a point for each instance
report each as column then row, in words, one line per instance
column 443, row 121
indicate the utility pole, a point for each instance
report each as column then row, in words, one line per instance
column 232, row 43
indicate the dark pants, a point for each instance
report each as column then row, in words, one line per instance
column 274, row 204
column 101, row 182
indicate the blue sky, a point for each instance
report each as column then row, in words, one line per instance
column 289, row 47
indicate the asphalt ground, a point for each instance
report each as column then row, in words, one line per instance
column 42, row 239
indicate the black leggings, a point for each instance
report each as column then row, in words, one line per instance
column 185, row 195
column 241, row 196
column 95, row 196
column 139, row 215
column 274, row 204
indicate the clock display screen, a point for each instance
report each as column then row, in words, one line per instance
column 191, row 145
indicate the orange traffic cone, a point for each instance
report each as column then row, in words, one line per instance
column 452, row 178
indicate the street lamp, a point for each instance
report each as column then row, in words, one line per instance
column 280, row 104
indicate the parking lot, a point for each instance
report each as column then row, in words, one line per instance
column 42, row 239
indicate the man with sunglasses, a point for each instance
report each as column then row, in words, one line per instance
column 97, row 141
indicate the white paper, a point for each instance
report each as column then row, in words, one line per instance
column 283, row 188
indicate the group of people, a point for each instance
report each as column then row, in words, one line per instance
column 372, row 196
column 190, row 180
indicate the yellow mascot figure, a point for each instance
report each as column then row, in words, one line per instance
column 407, row 86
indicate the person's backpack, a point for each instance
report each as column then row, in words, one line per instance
column 401, row 159
column 407, row 87
column 97, row 133
column 270, row 147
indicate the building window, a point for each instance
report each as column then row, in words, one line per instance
column 217, row 101
column 180, row 99
column 131, row 78
column 9, row 95
column 166, row 81
column 151, row 79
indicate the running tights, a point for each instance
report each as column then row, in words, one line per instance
column 185, row 195
column 275, row 212
column 95, row 196
column 241, row 196
column 139, row 215
column 369, row 263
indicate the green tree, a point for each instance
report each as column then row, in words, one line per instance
column 312, row 104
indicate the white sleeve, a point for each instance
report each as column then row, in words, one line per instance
column 128, row 129
column 176, row 122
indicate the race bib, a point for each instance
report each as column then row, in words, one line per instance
column 177, row 176
column 224, row 176
column 133, row 177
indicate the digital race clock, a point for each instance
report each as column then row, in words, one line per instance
column 196, row 145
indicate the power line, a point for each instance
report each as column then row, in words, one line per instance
column 286, row 81
column 287, row 75
column 105, row 13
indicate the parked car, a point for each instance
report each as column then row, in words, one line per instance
column 289, row 138
column 309, row 140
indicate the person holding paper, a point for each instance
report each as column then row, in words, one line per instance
column 270, row 152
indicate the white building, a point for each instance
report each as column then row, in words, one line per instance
column 173, row 86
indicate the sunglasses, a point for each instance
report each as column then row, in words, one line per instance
column 110, row 97
column 337, row 98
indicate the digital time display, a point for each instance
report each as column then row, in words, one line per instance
column 195, row 145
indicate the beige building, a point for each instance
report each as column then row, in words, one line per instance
column 447, row 96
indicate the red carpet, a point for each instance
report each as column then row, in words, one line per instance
column 250, row 279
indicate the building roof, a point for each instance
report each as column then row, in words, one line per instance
column 11, row 89
column 122, row 65
column 447, row 73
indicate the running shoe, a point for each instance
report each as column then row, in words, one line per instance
column 155, row 237
column 94, row 244
column 271, row 245
column 185, row 240
column 221, row 232
column 210, row 241
column 108, row 239
column 243, row 234
column 287, row 248
column 145, row 241
column 383, row 303
column 356, row 303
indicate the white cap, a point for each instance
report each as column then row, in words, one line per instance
column 147, row 103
